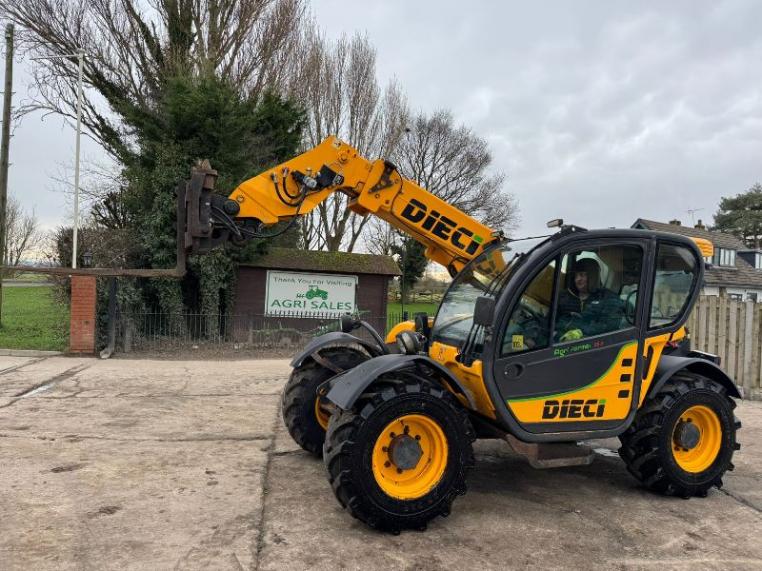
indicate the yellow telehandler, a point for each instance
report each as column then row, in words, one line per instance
column 544, row 342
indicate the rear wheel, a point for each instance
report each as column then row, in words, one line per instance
column 400, row 458
column 682, row 442
column 304, row 413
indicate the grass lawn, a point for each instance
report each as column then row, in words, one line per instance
column 394, row 309
column 33, row 319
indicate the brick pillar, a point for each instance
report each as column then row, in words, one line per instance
column 82, row 327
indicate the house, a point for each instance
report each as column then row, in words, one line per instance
column 734, row 270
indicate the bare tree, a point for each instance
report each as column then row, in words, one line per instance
column 133, row 46
column 380, row 237
column 101, row 193
column 453, row 163
column 22, row 237
column 338, row 86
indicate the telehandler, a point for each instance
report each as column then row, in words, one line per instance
column 544, row 342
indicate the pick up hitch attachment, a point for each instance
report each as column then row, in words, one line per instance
column 207, row 217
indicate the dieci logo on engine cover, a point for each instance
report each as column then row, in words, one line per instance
column 575, row 408
column 441, row 226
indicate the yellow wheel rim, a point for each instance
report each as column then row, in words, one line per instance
column 321, row 414
column 702, row 455
column 423, row 462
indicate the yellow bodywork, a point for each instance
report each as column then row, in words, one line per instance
column 614, row 387
column 471, row 377
column 609, row 387
column 452, row 238
column 705, row 247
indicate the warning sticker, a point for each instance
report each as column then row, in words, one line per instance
column 518, row 342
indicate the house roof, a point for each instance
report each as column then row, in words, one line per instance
column 718, row 239
column 332, row 262
column 742, row 274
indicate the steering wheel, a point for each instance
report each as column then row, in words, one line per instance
column 528, row 322
column 529, row 314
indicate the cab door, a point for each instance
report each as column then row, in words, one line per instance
column 568, row 352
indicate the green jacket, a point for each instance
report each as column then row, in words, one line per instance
column 602, row 311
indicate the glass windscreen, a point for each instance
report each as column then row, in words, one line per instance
column 455, row 316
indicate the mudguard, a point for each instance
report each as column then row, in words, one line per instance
column 670, row 364
column 346, row 388
column 333, row 339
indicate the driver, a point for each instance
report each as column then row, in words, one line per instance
column 586, row 308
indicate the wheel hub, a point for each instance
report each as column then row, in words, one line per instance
column 405, row 452
column 697, row 439
column 687, row 435
column 410, row 456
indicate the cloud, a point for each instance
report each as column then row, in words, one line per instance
column 599, row 112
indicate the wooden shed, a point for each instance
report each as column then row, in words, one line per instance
column 289, row 281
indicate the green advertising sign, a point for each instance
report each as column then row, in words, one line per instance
column 326, row 294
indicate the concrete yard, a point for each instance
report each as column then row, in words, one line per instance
column 148, row 464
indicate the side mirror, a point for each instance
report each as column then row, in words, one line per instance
column 484, row 311
column 422, row 324
column 348, row 323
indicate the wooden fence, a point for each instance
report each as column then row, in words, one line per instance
column 731, row 329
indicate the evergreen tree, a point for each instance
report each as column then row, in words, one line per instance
column 197, row 119
column 741, row 215
column 412, row 264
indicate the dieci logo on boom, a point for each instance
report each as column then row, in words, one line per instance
column 575, row 408
column 441, row 226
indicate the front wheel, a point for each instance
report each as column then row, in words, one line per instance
column 682, row 442
column 305, row 414
column 400, row 458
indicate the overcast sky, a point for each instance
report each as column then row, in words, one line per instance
column 598, row 112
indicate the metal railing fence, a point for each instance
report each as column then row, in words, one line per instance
column 156, row 331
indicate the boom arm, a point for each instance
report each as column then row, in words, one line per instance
column 295, row 187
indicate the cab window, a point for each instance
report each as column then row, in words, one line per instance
column 598, row 292
column 529, row 325
column 676, row 273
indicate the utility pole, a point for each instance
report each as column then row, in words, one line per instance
column 5, row 139
column 81, row 61
column 80, row 55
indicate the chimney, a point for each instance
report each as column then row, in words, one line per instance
column 700, row 225
column 675, row 222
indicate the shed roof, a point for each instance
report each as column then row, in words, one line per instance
column 333, row 262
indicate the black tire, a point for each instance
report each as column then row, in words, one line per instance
column 351, row 438
column 300, row 392
column 647, row 446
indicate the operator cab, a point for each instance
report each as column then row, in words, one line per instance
column 580, row 318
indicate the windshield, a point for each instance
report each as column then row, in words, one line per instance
column 456, row 313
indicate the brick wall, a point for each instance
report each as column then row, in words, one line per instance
column 82, row 334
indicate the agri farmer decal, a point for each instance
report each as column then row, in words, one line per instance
column 324, row 294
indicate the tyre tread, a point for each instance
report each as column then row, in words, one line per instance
column 339, row 446
column 640, row 444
